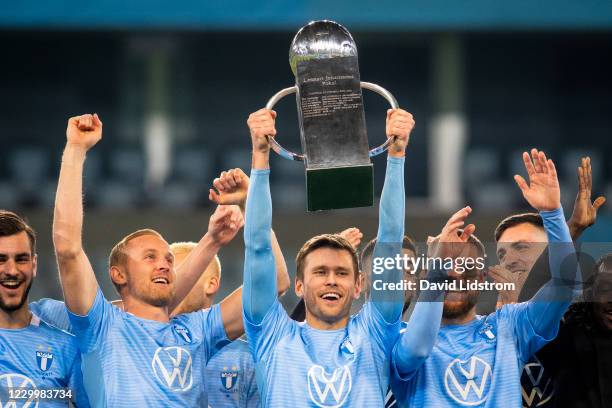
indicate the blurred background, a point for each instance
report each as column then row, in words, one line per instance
column 174, row 83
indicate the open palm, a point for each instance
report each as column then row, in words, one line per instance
column 542, row 192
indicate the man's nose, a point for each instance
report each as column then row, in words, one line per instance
column 331, row 279
column 10, row 267
column 164, row 264
column 510, row 260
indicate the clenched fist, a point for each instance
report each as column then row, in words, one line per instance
column 230, row 187
column 399, row 125
column 261, row 126
column 84, row 131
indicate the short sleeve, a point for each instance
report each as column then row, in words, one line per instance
column 92, row 327
column 53, row 312
column 263, row 337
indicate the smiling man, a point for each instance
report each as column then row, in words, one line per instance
column 138, row 356
column 331, row 359
column 34, row 355
column 477, row 360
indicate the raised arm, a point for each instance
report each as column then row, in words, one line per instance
column 259, row 284
column 392, row 212
column 583, row 216
column 417, row 341
column 548, row 305
column 231, row 187
column 223, row 226
column 585, row 211
column 77, row 276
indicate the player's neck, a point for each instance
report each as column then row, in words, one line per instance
column 145, row 310
column 15, row 319
column 208, row 301
column 463, row 319
column 319, row 324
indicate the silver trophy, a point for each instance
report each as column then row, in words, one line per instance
column 339, row 173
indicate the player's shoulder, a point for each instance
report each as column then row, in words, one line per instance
column 368, row 314
column 50, row 332
column 52, row 312
column 509, row 313
column 198, row 316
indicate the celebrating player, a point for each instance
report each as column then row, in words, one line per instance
column 139, row 356
column 330, row 359
column 233, row 364
column 521, row 240
column 39, row 363
column 477, row 360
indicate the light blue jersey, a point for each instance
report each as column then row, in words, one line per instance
column 475, row 364
column 297, row 365
column 230, row 375
column 479, row 364
column 42, row 359
column 129, row 361
column 53, row 312
column 300, row 366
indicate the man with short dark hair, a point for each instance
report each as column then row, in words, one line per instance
column 34, row 354
column 331, row 359
column 477, row 360
column 519, row 238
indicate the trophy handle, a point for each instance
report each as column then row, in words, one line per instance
column 280, row 150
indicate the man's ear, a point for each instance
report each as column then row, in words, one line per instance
column 299, row 287
column 359, row 284
column 212, row 286
column 118, row 276
column 34, row 265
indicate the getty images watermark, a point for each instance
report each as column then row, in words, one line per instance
column 413, row 264
column 516, row 270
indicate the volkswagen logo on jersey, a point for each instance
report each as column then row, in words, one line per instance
column 329, row 390
column 229, row 378
column 535, row 383
column 44, row 360
column 468, row 382
column 15, row 382
column 183, row 332
column 173, row 368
